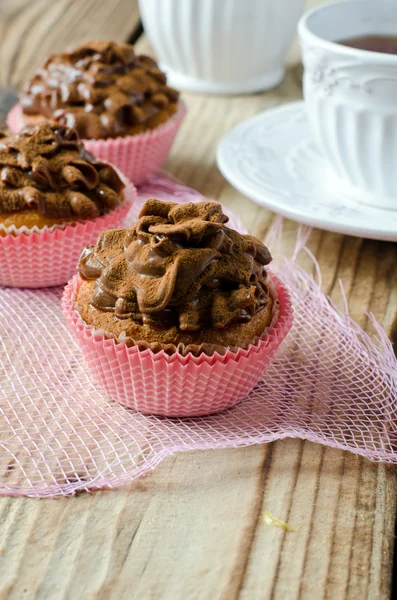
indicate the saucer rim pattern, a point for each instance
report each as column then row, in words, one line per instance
column 283, row 199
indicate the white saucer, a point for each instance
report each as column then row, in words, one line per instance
column 272, row 159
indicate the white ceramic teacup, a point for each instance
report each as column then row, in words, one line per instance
column 221, row 46
column 351, row 96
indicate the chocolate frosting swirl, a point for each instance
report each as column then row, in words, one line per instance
column 180, row 265
column 45, row 167
column 102, row 89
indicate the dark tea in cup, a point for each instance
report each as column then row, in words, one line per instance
column 386, row 44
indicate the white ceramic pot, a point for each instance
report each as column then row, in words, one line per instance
column 221, row 46
column 351, row 96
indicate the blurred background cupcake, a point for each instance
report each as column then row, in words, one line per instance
column 119, row 103
column 177, row 316
column 54, row 197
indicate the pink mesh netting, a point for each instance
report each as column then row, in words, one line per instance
column 329, row 383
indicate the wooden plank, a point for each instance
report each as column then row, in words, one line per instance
column 193, row 529
column 30, row 31
column 344, row 506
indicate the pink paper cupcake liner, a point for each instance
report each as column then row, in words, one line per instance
column 49, row 257
column 137, row 156
column 14, row 119
column 175, row 385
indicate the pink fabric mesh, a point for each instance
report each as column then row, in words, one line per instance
column 329, row 382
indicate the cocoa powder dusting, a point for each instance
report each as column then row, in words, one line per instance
column 46, row 168
column 179, row 266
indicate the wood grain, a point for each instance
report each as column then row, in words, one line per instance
column 30, row 31
column 193, row 529
column 342, row 506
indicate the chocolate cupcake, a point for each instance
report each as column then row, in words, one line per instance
column 179, row 277
column 48, row 179
column 101, row 89
column 180, row 288
column 49, row 182
column 115, row 99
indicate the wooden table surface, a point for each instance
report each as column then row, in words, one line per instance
column 194, row 529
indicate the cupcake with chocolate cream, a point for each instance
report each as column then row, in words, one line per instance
column 48, row 179
column 183, row 297
column 179, row 277
column 113, row 97
column 49, row 182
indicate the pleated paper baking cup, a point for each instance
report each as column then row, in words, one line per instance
column 14, row 119
column 174, row 385
column 137, row 156
column 48, row 257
